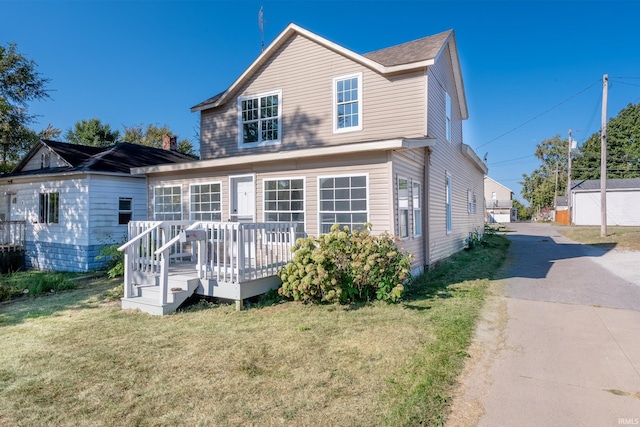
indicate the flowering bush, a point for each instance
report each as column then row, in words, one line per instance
column 345, row 266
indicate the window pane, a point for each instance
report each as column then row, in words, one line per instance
column 359, row 181
column 124, row 204
column 342, row 182
column 343, row 205
column 326, row 183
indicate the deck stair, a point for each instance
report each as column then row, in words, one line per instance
column 146, row 297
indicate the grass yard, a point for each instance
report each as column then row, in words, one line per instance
column 617, row 237
column 76, row 359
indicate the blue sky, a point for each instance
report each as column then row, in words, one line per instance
column 531, row 70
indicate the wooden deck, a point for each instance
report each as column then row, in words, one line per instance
column 12, row 248
column 166, row 262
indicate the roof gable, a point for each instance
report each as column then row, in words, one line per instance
column 413, row 55
column 117, row 158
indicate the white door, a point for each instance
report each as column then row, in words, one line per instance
column 243, row 195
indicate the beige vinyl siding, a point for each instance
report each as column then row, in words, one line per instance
column 447, row 157
column 391, row 106
column 410, row 164
column 374, row 165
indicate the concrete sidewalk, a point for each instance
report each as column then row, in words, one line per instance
column 559, row 344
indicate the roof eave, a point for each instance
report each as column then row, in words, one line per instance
column 391, row 144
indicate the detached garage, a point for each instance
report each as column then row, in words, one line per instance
column 623, row 202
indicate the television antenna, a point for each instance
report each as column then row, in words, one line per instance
column 261, row 22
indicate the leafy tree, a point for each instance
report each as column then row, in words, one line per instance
column 49, row 133
column 623, row 148
column 152, row 136
column 92, row 132
column 19, row 84
column 539, row 187
column 524, row 212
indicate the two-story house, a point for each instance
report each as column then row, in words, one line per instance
column 499, row 202
column 316, row 134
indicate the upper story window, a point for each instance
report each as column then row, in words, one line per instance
column 260, row 121
column 347, row 103
column 448, row 119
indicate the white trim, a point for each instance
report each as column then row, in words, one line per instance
column 131, row 210
column 232, row 190
column 319, row 198
column 361, row 147
column 259, row 143
column 304, row 196
column 357, row 76
column 191, row 184
column 399, row 231
column 181, row 201
column 413, row 207
column 448, row 205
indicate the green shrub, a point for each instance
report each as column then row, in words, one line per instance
column 345, row 266
column 114, row 259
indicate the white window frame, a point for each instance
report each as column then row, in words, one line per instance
column 49, row 208
column 156, row 214
column 448, row 115
column 125, row 211
column 448, row 202
column 192, row 212
column 266, row 211
column 260, row 120
column 416, row 200
column 469, row 201
column 367, row 198
column 403, row 208
column 358, row 127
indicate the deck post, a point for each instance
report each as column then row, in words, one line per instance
column 164, row 278
column 239, row 305
column 127, row 275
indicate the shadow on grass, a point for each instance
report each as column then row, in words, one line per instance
column 86, row 296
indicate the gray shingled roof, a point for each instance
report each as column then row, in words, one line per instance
column 117, row 158
column 414, row 51
column 612, row 184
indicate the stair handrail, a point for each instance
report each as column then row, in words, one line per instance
column 140, row 236
column 176, row 238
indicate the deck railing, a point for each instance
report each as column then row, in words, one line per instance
column 223, row 251
column 12, row 235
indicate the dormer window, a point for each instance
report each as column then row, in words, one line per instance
column 347, row 103
column 260, row 121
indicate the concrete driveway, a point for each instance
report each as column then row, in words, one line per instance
column 559, row 342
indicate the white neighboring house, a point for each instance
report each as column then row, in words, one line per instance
column 623, row 202
column 499, row 202
column 75, row 199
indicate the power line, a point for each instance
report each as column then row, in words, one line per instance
column 539, row 115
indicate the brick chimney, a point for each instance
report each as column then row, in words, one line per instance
column 169, row 142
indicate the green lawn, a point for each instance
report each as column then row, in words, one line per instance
column 617, row 237
column 75, row 358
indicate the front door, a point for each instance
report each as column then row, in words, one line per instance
column 243, row 199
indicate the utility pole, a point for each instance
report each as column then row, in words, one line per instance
column 603, row 158
column 569, row 179
column 555, row 193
